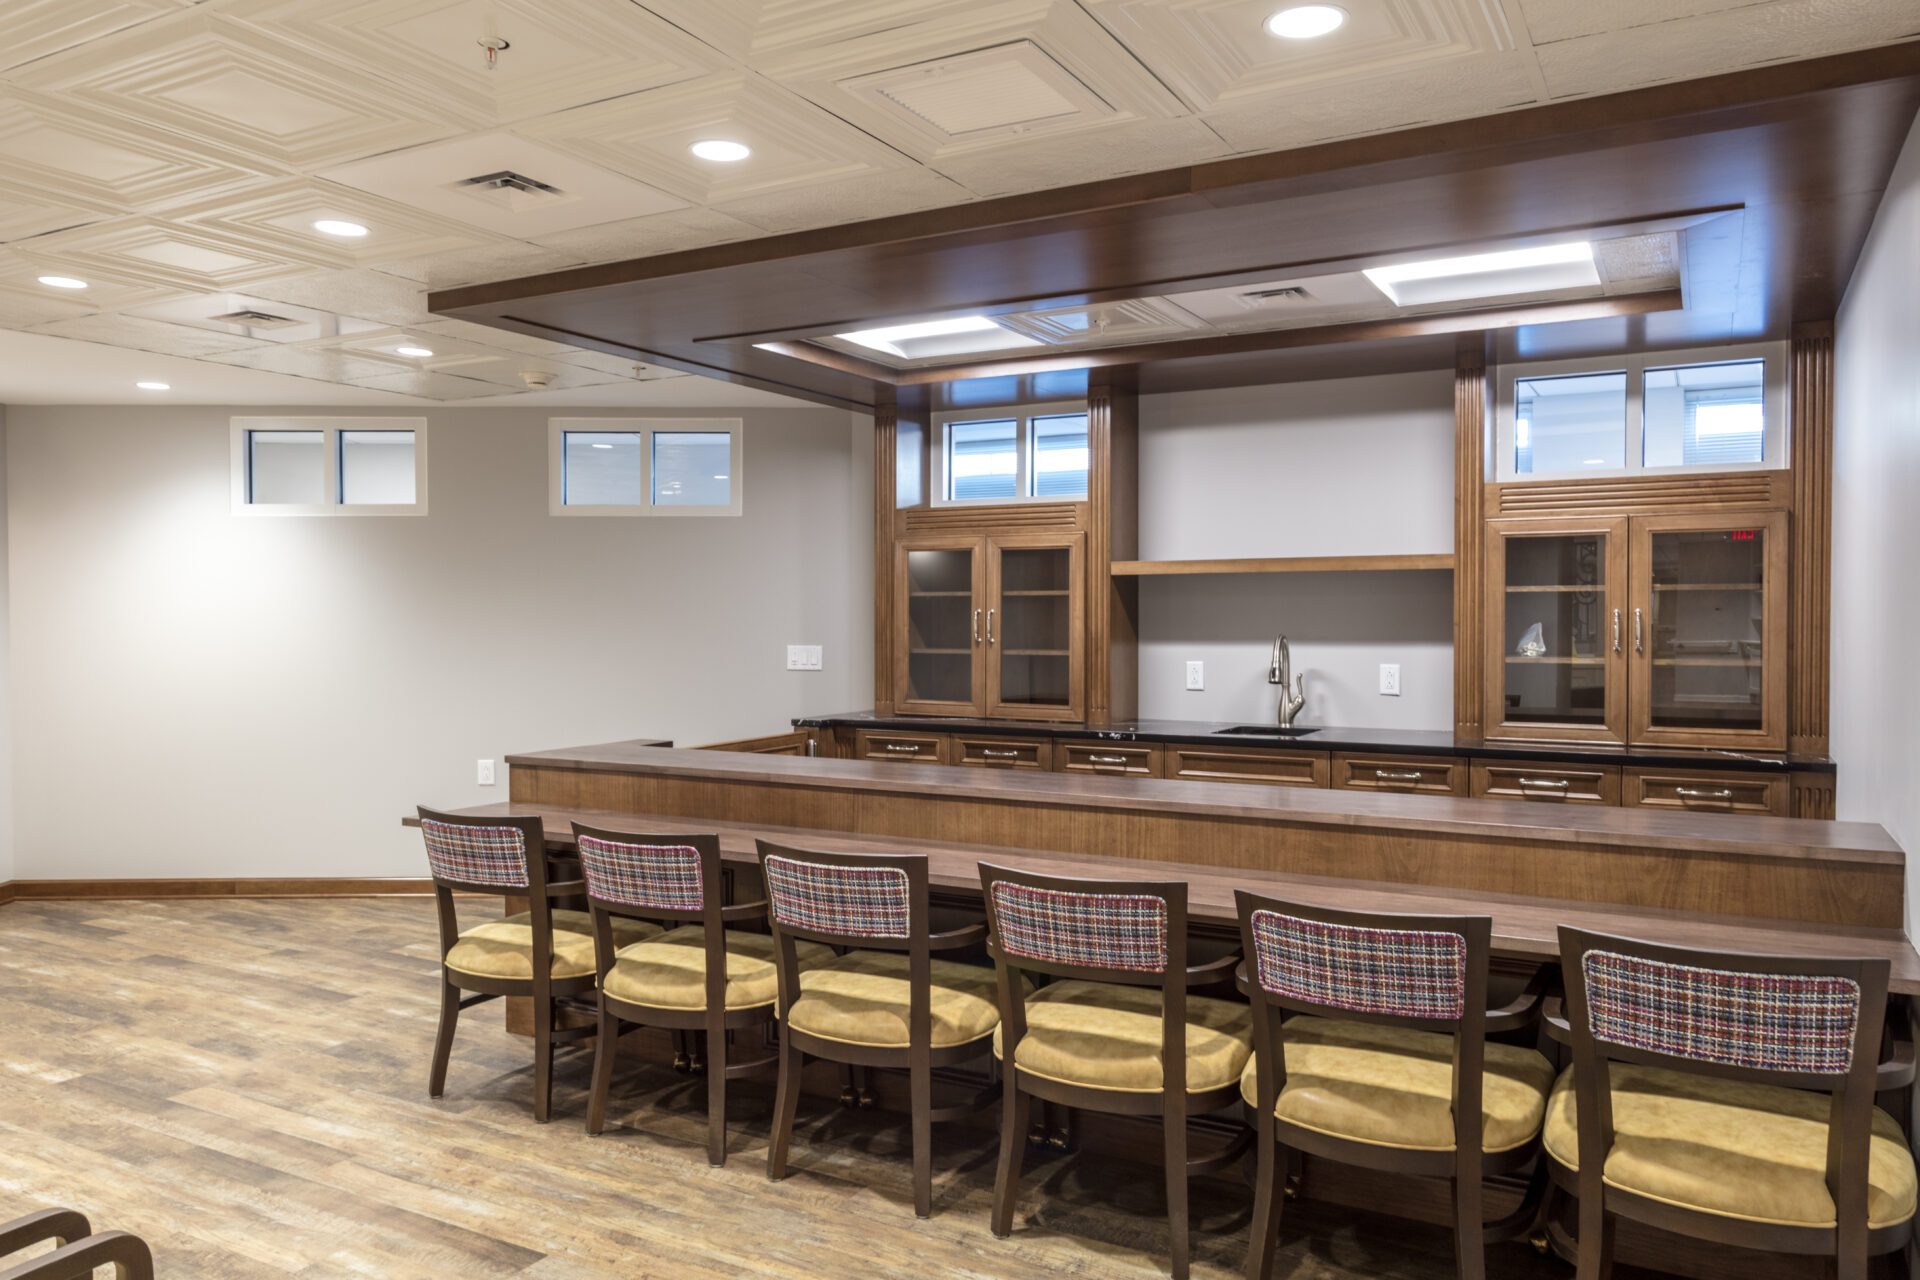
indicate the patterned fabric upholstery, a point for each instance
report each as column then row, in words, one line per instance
column 654, row 876
column 1405, row 973
column 1762, row 1021
column 476, row 854
column 861, row 902
column 1099, row 930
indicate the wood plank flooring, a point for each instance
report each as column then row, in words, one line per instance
column 242, row 1082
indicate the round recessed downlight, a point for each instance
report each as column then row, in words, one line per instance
column 723, row 150
column 1306, row 21
column 416, row 353
column 153, row 386
column 339, row 227
column 63, row 282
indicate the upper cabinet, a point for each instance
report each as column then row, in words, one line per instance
column 1659, row 629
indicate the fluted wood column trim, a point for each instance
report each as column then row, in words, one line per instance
column 1809, row 647
column 886, row 426
column 1469, row 526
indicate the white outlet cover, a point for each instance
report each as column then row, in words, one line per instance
column 1390, row 679
column 803, row 657
column 484, row 773
column 1196, row 675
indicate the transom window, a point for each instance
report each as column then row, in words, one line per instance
column 1026, row 454
column 645, row 466
column 329, row 466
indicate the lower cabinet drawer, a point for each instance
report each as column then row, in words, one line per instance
column 901, row 748
column 1424, row 775
column 1702, row 791
column 1003, row 753
column 1141, row 761
column 1248, row 764
column 1553, row 783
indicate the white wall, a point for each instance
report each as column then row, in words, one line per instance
column 211, row 695
column 6, row 668
column 1355, row 466
column 1876, row 524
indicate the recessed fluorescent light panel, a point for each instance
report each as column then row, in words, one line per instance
column 1488, row 275
column 1307, row 21
column 933, row 339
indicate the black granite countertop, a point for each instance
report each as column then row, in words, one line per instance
column 1430, row 742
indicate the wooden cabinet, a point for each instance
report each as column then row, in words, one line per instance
column 1708, row 791
column 1422, row 775
column 1002, row 753
column 1667, row 629
column 991, row 625
column 1273, row 768
column 1136, row 759
column 900, row 747
column 1549, row 783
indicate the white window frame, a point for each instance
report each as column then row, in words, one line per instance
column 1023, row 416
column 329, row 428
column 1773, row 399
column 559, row 428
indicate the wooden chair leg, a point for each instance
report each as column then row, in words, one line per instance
column 786, row 1104
column 542, row 1059
column 920, row 1080
column 1269, row 1197
column 1176, row 1138
column 606, row 1047
column 1469, row 1224
column 443, row 1038
column 1595, row 1258
column 1014, row 1107
column 716, row 1095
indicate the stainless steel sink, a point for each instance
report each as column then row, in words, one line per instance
column 1269, row 730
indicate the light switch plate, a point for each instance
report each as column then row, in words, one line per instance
column 1390, row 679
column 803, row 657
column 484, row 774
column 1196, row 675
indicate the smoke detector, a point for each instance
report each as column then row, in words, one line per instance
column 536, row 379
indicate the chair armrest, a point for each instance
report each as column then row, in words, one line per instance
column 1524, row 1008
column 1553, row 1012
column 64, row 1225
column 1896, row 1071
column 954, row 939
column 1220, row 970
column 127, row 1255
column 744, row 911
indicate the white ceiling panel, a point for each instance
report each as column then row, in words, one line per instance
column 1133, row 146
column 166, row 255
column 670, row 232
column 363, row 293
column 324, row 363
column 559, row 53
column 433, row 386
column 472, row 266
column 20, row 274
column 253, row 318
column 41, row 28
column 68, row 154
column 1550, row 20
column 281, row 215
column 25, row 308
column 849, row 200
column 142, row 334
column 505, row 339
column 619, row 366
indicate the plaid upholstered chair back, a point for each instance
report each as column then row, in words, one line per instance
column 1805, row 1023
column 669, row 877
column 1108, row 931
column 483, row 855
column 877, row 901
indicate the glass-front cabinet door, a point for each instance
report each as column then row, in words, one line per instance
column 1709, row 630
column 1556, row 647
column 1034, row 626
column 940, row 629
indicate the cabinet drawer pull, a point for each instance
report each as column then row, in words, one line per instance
column 1545, row 784
column 1404, row 775
column 991, row 754
column 899, row 748
column 976, row 626
column 1106, row 760
column 1718, row 795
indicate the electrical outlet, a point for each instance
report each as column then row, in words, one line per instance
column 1390, row 679
column 803, row 657
column 1196, row 675
column 485, row 773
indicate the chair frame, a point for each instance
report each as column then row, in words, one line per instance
column 1172, row 1103
column 1850, row 1242
column 547, row 992
column 918, row 1058
column 1468, row 1164
column 715, row 1019
column 79, row 1251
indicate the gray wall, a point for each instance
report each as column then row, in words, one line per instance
column 1356, row 466
column 6, row 676
column 1876, row 527
column 212, row 695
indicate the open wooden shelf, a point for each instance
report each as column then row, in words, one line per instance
column 1283, row 564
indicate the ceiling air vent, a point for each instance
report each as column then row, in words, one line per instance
column 1254, row 299
column 509, row 190
column 256, row 319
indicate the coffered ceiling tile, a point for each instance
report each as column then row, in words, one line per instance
column 163, row 254
column 487, row 335
column 1217, row 52
column 647, row 136
column 691, row 228
column 41, row 28
column 619, row 366
column 67, row 154
column 975, row 77
column 325, row 363
column 264, row 102
column 1549, row 20
column 140, row 334
column 26, row 310
column 1685, row 48
column 1416, row 95
column 765, row 26
column 435, row 386
column 281, row 215
column 22, row 217
column 21, row 273
column 363, row 293
column 504, row 369
column 473, row 266
column 848, row 200
column 559, row 53
column 1131, row 147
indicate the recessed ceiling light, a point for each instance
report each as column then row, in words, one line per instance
column 723, row 150
column 153, row 386
column 1488, row 275
column 339, row 227
column 909, row 341
column 415, row 353
column 1307, row 21
column 62, row 282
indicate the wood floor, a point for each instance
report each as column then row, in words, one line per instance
column 243, row 1084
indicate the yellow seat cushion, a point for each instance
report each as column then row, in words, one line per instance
column 1393, row 1086
column 1105, row 1036
column 504, row 948
column 861, row 998
column 670, row 971
column 1756, row 1152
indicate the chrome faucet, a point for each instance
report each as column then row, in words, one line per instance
column 1293, row 689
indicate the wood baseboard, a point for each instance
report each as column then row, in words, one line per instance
column 291, row 887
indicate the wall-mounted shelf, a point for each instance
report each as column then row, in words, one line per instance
column 1284, row 564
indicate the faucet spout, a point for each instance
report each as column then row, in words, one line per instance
column 1293, row 689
